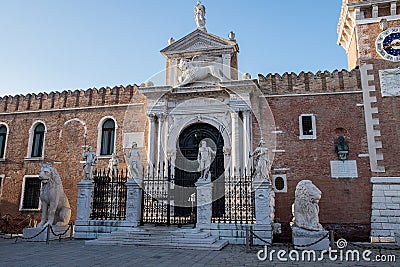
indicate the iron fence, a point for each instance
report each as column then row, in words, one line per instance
column 238, row 200
column 109, row 195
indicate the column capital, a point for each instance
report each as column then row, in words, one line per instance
column 161, row 116
column 152, row 116
column 246, row 112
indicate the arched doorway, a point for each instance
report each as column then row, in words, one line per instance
column 186, row 168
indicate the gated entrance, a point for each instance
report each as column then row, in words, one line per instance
column 187, row 168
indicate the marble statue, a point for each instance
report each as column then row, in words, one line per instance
column 134, row 162
column 305, row 208
column 263, row 164
column 113, row 165
column 192, row 71
column 55, row 206
column 204, row 158
column 199, row 16
column 91, row 159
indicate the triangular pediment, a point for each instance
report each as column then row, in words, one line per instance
column 199, row 41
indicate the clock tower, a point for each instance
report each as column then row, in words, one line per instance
column 369, row 31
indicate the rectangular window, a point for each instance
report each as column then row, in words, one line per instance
column 307, row 126
column 30, row 193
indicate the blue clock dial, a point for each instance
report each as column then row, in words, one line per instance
column 391, row 44
column 388, row 44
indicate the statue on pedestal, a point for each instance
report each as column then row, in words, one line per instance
column 113, row 166
column 199, row 16
column 204, row 158
column 91, row 159
column 134, row 162
column 55, row 205
column 263, row 164
column 305, row 208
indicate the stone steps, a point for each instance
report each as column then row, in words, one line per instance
column 163, row 237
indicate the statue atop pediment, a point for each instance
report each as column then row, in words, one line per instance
column 199, row 16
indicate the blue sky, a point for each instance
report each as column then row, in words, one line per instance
column 55, row 45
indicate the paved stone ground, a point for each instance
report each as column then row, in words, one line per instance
column 76, row 253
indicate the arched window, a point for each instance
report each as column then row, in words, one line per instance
column 38, row 141
column 107, row 137
column 3, row 138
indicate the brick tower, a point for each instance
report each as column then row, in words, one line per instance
column 369, row 31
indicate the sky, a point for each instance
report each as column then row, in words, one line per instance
column 56, row 45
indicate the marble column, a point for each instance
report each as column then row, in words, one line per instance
column 160, row 143
column 235, row 150
column 204, row 207
column 133, row 201
column 151, row 141
column 246, row 139
column 264, row 210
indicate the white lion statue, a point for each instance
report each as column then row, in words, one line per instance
column 55, row 205
column 305, row 208
column 191, row 71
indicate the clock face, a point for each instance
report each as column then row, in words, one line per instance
column 388, row 44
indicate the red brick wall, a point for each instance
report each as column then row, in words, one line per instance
column 68, row 148
column 345, row 201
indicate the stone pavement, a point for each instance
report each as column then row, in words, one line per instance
column 76, row 253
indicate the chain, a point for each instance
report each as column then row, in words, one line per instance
column 41, row 231
column 59, row 235
column 263, row 240
column 314, row 243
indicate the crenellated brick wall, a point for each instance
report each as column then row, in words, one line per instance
column 104, row 96
column 308, row 82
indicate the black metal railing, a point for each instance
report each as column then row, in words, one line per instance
column 109, row 195
column 158, row 196
column 238, row 200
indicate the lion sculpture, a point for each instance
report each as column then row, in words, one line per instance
column 305, row 208
column 55, row 205
column 192, row 71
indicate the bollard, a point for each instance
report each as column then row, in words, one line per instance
column 48, row 234
column 71, row 231
column 332, row 238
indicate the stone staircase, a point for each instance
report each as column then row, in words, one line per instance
column 172, row 237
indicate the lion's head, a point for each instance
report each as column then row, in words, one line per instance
column 48, row 174
column 305, row 207
column 183, row 65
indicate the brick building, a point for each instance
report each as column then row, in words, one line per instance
column 301, row 116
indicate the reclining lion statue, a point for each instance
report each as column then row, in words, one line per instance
column 193, row 71
column 55, row 205
column 305, row 208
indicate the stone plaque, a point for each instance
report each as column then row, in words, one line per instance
column 138, row 137
column 344, row 169
column 390, row 82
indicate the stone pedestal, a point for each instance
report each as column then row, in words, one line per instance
column 32, row 232
column 204, row 207
column 84, row 207
column 133, row 201
column 265, row 211
column 305, row 239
